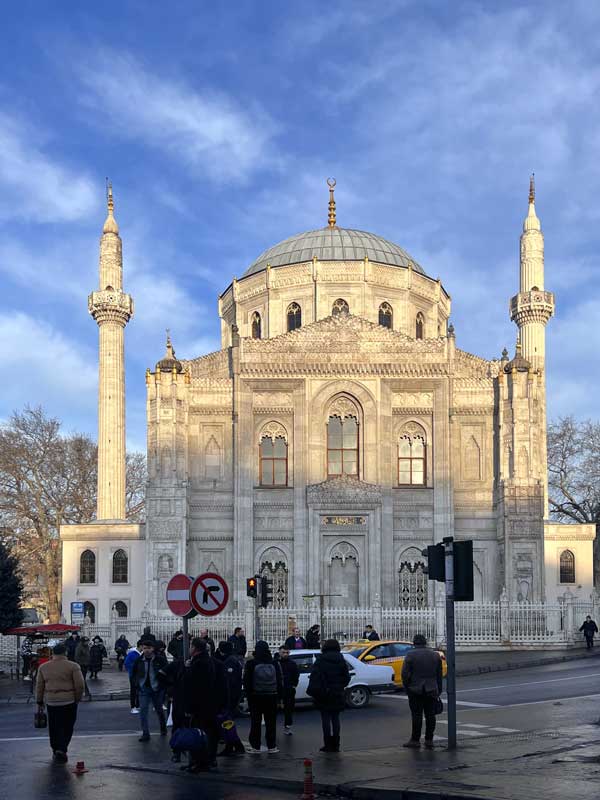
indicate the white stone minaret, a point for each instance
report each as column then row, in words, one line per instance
column 532, row 307
column 112, row 309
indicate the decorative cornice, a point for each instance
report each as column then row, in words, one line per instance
column 110, row 306
column 274, row 410
column 412, row 411
column 343, row 491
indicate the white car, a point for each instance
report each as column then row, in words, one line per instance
column 367, row 679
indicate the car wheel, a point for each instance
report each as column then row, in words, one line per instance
column 357, row 697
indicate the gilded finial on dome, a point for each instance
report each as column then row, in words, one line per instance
column 532, row 188
column 331, row 218
column 110, row 225
column 169, row 362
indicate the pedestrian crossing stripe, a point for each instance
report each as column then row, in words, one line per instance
column 460, row 726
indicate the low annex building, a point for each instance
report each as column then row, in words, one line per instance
column 338, row 432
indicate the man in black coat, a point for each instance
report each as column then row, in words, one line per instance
column 296, row 641
column 371, row 634
column 71, row 644
column 238, row 643
column 422, row 679
column 175, row 647
column 205, row 696
column 291, row 676
column 233, row 676
column 589, row 628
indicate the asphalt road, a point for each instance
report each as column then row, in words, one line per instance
column 498, row 704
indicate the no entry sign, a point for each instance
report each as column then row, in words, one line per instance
column 209, row 594
column 178, row 596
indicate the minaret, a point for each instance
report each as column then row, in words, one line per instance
column 532, row 307
column 112, row 310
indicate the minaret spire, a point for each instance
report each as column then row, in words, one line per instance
column 112, row 310
column 331, row 218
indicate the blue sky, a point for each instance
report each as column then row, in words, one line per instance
column 218, row 124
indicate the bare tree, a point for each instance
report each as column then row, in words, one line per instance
column 48, row 480
column 574, row 475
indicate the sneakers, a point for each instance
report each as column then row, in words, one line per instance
column 288, row 730
column 253, row 751
column 135, row 711
column 273, row 750
column 145, row 737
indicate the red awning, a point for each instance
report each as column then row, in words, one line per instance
column 55, row 627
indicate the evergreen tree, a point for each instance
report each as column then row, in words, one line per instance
column 11, row 588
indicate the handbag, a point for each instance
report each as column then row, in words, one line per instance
column 438, row 706
column 40, row 720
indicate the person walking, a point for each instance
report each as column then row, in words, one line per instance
column 205, row 696
column 82, row 657
column 175, row 647
column 291, row 676
column 147, row 635
column 238, row 642
column 71, row 643
column 327, row 686
column 422, row 679
column 149, row 672
column 313, row 637
column 370, row 634
column 263, row 684
column 60, row 687
column 589, row 628
column 134, row 694
column 233, row 676
column 121, row 649
column 97, row 653
column 210, row 643
column 27, row 655
column 295, row 641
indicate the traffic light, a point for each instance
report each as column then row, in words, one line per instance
column 251, row 587
column 266, row 591
column 436, row 566
column 463, row 570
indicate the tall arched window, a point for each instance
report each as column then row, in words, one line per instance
column 567, row 567
column 121, row 609
column 412, row 580
column 89, row 610
column 120, row 567
column 294, row 316
column 274, row 568
column 87, row 567
column 340, row 307
column 419, row 325
column 342, row 439
column 273, row 455
column 412, row 456
column 256, row 326
column 386, row 315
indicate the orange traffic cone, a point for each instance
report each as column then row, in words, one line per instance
column 79, row 768
column 309, row 789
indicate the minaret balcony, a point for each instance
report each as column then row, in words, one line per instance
column 532, row 306
column 110, row 306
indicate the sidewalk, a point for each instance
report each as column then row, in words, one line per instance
column 549, row 764
column 113, row 685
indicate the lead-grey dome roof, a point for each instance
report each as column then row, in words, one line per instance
column 333, row 244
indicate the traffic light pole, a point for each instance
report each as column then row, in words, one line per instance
column 450, row 645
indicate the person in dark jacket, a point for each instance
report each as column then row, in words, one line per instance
column 295, row 641
column 210, row 643
column 71, row 644
column 97, row 653
column 147, row 635
column 205, row 696
column 291, row 676
column 313, row 637
column 238, row 642
column 175, row 647
column 422, row 679
column 149, row 675
column 589, row 628
column 233, row 675
column 175, row 686
column 371, row 634
column 121, row 648
column 82, row 657
column 263, row 684
column 327, row 686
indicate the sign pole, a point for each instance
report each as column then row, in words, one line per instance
column 450, row 643
column 186, row 642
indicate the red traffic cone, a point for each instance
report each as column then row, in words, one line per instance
column 309, row 789
column 80, row 768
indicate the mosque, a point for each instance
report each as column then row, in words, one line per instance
column 337, row 432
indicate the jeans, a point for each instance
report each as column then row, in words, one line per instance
column 289, row 699
column 134, row 700
column 61, row 721
column 330, row 722
column 263, row 706
column 148, row 697
column 422, row 704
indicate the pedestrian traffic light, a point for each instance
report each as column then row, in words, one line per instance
column 251, row 587
column 463, row 570
column 266, row 592
column 436, row 567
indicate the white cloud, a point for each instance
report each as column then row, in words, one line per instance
column 33, row 185
column 206, row 130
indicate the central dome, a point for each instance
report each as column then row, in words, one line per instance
column 333, row 244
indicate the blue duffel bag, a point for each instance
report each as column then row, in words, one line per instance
column 191, row 740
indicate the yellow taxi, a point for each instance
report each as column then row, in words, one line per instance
column 389, row 651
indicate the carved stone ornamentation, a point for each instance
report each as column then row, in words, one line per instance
column 345, row 490
column 273, row 430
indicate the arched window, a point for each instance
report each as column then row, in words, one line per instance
column 412, row 456
column 120, row 567
column 121, row 609
column 87, row 567
column 419, row 325
column 294, row 316
column 340, row 307
column 412, row 580
column 567, row 567
column 274, row 568
column 256, row 326
column 386, row 315
column 212, row 460
column 342, row 439
column 89, row 610
column 273, row 455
